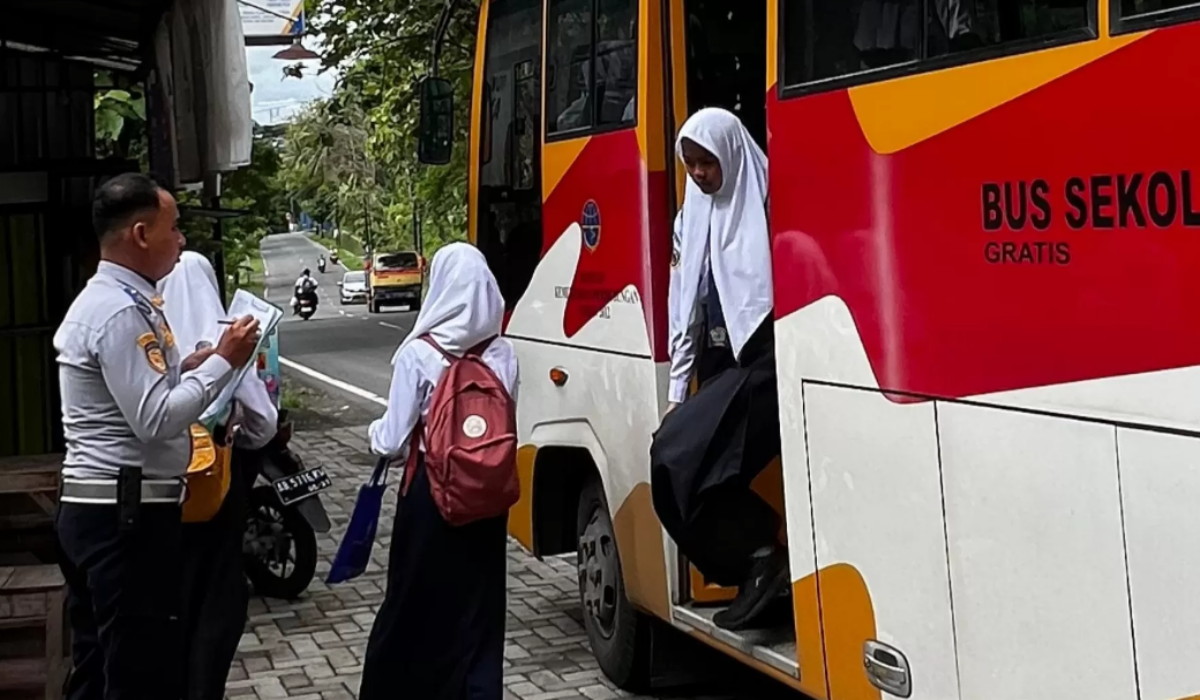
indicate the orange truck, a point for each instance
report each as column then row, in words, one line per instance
column 394, row 279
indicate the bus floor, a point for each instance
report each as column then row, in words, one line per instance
column 775, row 645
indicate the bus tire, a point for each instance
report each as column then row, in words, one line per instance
column 619, row 635
column 374, row 307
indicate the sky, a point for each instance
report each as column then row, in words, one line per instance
column 275, row 98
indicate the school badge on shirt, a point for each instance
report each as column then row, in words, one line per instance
column 148, row 342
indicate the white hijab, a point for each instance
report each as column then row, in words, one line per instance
column 727, row 232
column 192, row 303
column 193, row 307
column 463, row 307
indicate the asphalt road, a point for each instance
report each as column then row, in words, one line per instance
column 346, row 343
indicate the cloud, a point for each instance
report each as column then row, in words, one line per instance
column 276, row 99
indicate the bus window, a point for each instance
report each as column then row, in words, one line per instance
column 575, row 64
column 616, row 61
column 826, row 39
column 568, row 95
column 1131, row 15
column 508, row 228
column 1144, row 7
column 952, row 28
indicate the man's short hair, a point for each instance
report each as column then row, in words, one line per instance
column 120, row 199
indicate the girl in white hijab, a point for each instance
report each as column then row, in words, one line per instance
column 439, row 634
column 215, row 594
column 711, row 446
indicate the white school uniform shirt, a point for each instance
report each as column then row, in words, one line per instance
column 125, row 403
column 683, row 324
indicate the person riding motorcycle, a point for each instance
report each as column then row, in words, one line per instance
column 321, row 264
column 306, row 287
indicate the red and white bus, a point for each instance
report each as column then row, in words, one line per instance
column 986, row 237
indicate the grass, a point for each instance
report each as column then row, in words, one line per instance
column 294, row 398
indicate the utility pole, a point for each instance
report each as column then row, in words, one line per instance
column 367, row 229
column 416, row 216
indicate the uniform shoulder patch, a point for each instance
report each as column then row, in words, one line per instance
column 143, row 305
column 148, row 342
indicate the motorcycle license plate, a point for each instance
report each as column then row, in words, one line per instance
column 298, row 487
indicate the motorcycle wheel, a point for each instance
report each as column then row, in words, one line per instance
column 280, row 547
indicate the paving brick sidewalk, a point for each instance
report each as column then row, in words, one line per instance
column 312, row 648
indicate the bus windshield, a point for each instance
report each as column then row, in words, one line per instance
column 396, row 261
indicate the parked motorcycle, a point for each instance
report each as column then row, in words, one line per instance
column 279, row 547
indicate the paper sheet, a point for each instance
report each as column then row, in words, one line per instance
column 244, row 304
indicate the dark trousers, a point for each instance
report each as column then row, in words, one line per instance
column 215, row 591
column 123, row 600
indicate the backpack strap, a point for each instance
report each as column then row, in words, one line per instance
column 476, row 351
column 482, row 347
column 433, row 343
column 410, row 468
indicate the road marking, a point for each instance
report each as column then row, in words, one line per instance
column 390, row 325
column 331, row 381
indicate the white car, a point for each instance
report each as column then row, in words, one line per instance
column 354, row 287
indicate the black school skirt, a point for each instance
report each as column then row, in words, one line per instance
column 439, row 634
column 712, row 446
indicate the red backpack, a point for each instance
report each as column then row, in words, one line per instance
column 470, row 441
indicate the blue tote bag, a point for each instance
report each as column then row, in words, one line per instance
column 354, row 553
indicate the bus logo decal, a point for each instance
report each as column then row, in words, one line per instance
column 590, row 223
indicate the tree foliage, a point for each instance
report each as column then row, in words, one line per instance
column 256, row 190
column 352, row 158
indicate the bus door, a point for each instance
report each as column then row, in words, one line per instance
column 716, row 58
column 505, row 178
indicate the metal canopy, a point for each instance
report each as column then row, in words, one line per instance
column 112, row 33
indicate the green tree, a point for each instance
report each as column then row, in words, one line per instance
column 257, row 193
column 383, row 48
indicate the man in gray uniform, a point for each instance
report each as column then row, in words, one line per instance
column 128, row 403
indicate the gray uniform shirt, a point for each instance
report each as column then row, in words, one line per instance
column 124, row 401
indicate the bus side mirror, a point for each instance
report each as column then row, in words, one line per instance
column 435, row 133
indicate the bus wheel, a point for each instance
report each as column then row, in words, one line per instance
column 618, row 634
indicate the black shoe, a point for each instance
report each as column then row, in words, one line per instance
column 767, row 582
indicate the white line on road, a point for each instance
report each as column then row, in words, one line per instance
column 390, row 325
column 336, row 383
